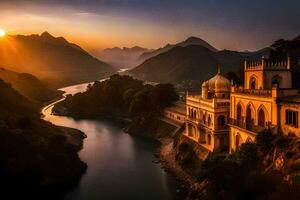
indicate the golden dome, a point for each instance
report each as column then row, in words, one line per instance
column 222, row 84
column 219, row 83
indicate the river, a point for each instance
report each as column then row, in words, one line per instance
column 120, row 166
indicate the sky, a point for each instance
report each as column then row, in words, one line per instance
column 98, row 24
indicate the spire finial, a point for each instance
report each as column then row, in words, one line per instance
column 219, row 70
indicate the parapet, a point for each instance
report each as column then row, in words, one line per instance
column 266, row 64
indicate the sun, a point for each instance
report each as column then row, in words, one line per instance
column 2, row 33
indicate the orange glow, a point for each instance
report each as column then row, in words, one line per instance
column 2, row 33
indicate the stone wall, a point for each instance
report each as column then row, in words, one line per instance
column 200, row 151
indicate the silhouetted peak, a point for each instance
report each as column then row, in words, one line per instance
column 193, row 39
column 46, row 35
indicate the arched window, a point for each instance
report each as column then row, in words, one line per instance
column 209, row 120
column 261, row 118
column 276, row 80
column 221, row 120
column 249, row 140
column 208, row 139
column 239, row 112
column 249, row 118
column 253, row 83
column 190, row 130
column 204, row 118
column 238, row 141
column 195, row 114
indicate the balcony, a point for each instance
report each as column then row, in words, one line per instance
column 260, row 93
column 193, row 120
column 246, row 126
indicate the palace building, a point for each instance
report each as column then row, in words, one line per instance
column 208, row 113
column 225, row 116
column 267, row 101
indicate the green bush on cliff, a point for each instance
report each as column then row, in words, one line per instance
column 235, row 176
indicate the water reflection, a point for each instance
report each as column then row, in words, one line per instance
column 119, row 165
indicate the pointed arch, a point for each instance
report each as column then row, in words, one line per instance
column 249, row 140
column 262, row 116
column 240, row 111
column 276, row 81
column 253, row 82
column 250, row 113
column 238, row 140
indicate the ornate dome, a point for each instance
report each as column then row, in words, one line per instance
column 219, row 83
column 222, row 84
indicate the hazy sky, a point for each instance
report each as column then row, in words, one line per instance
column 230, row 24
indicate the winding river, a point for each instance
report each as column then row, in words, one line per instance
column 120, row 166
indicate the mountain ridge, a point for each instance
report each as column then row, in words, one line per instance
column 192, row 40
column 29, row 86
column 191, row 63
column 125, row 57
column 54, row 60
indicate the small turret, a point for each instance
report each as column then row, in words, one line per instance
column 245, row 64
column 288, row 62
column 263, row 62
column 205, row 90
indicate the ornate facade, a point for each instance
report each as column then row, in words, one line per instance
column 227, row 116
column 260, row 103
column 208, row 114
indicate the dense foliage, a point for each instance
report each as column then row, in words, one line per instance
column 283, row 48
column 243, row 174
column 121, row 96
column 34, row 155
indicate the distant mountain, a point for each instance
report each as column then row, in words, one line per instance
column 187, row 42
column 29, row 86
column 193, row 62
column 121, row 57
column 52, row 59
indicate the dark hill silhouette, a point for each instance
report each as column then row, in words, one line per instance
column 51, row 59
column 29, row 86
column 192, row 62
column 189, row 41
column 36, row 157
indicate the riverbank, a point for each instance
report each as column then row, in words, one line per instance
column 73, row 136
column 188, row 187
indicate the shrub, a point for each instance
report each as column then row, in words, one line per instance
column 281, row 141
column 264, row 141
column 185, row 155
column 247, row 154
